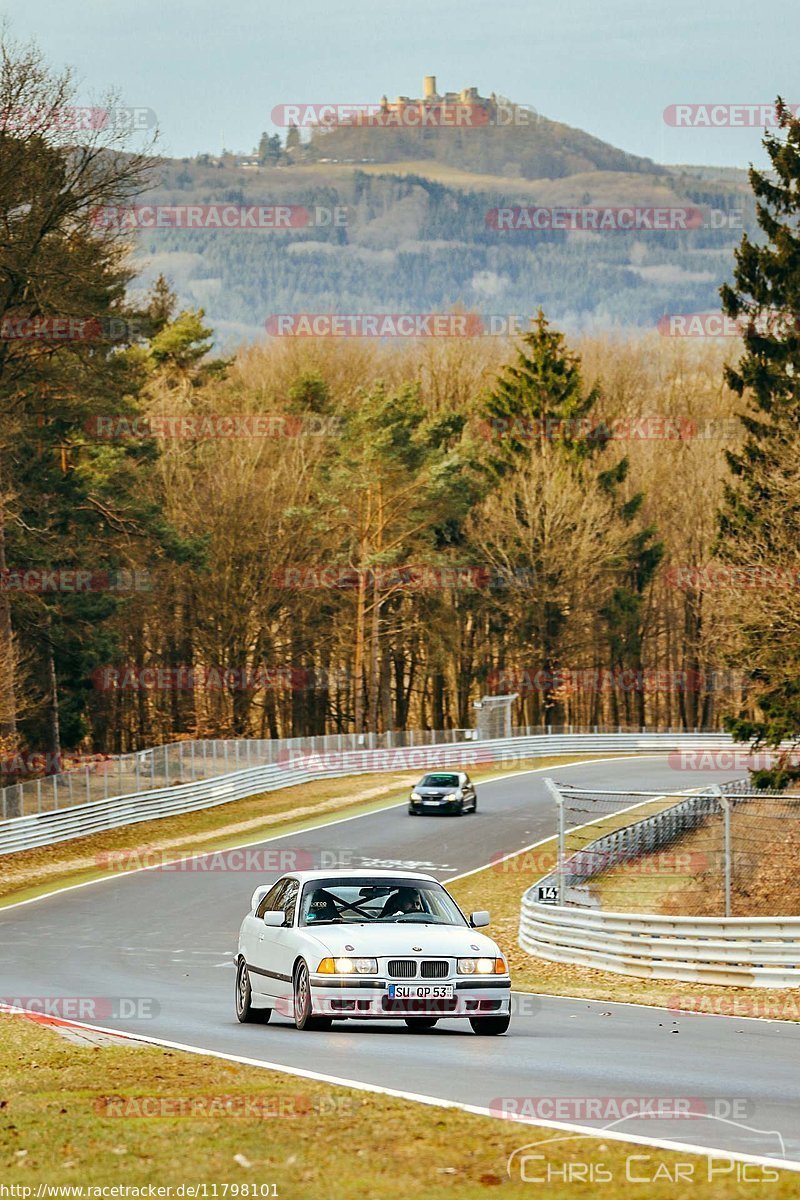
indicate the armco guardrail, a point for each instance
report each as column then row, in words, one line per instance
column 754, row 952
column 303, row 761
column 749, row 951
column 106, row 776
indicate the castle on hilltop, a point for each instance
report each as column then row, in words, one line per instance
column 431, row 99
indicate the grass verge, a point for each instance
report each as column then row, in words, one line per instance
column 127, row 1115
column 499, row 888
column 35, row 872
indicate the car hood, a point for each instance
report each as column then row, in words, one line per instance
column 436, row 791
column 402, row 940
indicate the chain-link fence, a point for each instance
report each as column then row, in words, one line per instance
column 718, row 851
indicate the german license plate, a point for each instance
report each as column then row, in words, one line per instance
column 420, row 991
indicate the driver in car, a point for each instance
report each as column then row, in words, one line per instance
column 404, row 900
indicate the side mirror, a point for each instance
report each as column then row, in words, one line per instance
column 274, row 918
column 478, row 919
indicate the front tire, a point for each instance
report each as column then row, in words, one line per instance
column 490, row 1026
column 245, row 1013
column 303, row 1014
column 420, row 1023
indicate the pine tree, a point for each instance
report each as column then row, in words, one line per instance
column 541, row 405
column 760, row 516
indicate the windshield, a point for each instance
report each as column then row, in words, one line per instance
column 361, row 899
column 440, row 781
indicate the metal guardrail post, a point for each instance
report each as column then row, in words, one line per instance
column 552, row 788
column 726, row 836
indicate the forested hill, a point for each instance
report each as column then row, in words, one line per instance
column 416, row 237
column 528, row 145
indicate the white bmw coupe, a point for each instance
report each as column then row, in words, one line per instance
column 321, row 946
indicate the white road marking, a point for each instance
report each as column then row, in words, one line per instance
column 433, row 1101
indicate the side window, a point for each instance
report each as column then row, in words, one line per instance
column 288, row 900
column 272, row 898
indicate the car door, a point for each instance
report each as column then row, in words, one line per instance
column 277, row 945
column 258, row 947
column 468, row 789
column 253, row 924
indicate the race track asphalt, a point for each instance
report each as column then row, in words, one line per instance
column 165, row 939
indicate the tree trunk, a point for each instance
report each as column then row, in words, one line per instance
column 8, row 697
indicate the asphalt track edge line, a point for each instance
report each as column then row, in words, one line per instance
column 415, row 1097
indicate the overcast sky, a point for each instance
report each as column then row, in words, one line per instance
column 212, row 71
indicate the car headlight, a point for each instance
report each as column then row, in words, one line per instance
column 416, row 796
column 348, row 966
column 481, row 966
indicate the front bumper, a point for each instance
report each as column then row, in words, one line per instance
column 437, row 806
column 368, row 999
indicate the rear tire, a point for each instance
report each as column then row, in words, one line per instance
column 245, row 1013
column 303, row 1014
column 490, row 1026
column 420, row 1023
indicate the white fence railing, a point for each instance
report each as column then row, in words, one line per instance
column 305, row 760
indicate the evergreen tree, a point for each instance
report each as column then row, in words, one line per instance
column 541, row 406
column 761, row 511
